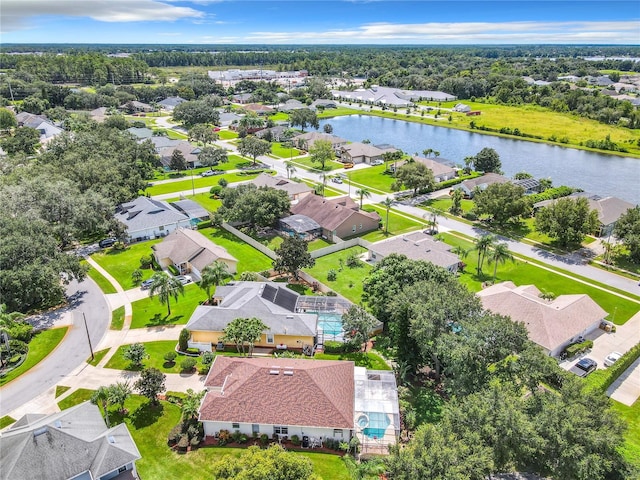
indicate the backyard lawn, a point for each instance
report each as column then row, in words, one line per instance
column 156, row 352
column 398, row 224
column 249, row 259
column 149, row 427
column 348, row 282
column 526, row 273
column 369, row 360
column 149, row 312
column 42, row 344
column 121, row 263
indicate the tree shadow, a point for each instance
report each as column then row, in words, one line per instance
column 146, row 414
column 159, row 320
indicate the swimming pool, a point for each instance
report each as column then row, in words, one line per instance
column 330, row 324
column 375, row 424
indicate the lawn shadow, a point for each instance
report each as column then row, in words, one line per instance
column 146, row 414
column 158, row 320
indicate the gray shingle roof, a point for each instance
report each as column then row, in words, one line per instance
column 144, row 213
column 418, row 246
column 281, row 183
column 609, row 208
column 64, row 445
column 191, row 208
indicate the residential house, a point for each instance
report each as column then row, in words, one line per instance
column 339, row 217
column 462, row 108
column 99, row 114
column 300, row 226
column 358, row 152
column 393, row 97
column 228, row 118
column 552, row 324
column 145, row 218
column 416, row 246
column 141, row 133
column 305, row 141
column 192, row 209
column 41, row 123
column 609, row 209
column 324, row 103
column 166, row 146
column 277, row 133
column 441, row 171
column 312, row 399
column 242, row 98
column 469, row 187
column 259, row 109
column 190, row 252
column 170, row 103
column 290, row 105
column 72, row 444
column 135, row 106
column 295, row 190
column 274, row 304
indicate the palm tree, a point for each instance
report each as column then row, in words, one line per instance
column 214, row 275
column 290, row 169
column 324, row 177
column 387, row 204
column 165, row 286
column 436, row 153
column 427, row 152
column 191, row 404
column 119, row 392
column 248, row 277
column 500, row 254
column 432, row 217
column 363, row 193
column 102, row 397
column 482, row 245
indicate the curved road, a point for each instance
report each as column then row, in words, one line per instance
column 85, row 297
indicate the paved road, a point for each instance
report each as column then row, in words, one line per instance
column 86, row 298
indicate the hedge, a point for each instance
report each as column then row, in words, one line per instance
column 455, row 181
column 551, row 194
column 577, row 348
column 605, row 378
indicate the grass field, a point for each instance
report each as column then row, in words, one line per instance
column 121, row 263
column 117, row 319
column 631, row 417
column 349, row 280
column 527, row 273
column 306, row 163
column 280, row 151
column 198, row 182
column 249, row 259
column 79, row 396
column 398, row 224
column 149, row 312
column 156, row 352
column 103, row 283
column 373, row 177
column 41, row 345
column 368, row 360
column 97, row 356
column 6, row 421
column 227, row 134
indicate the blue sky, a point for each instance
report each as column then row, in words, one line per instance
column 320, row 22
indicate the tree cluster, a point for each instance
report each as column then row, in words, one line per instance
column 258, row 207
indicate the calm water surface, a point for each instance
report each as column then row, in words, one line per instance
column 592, row 172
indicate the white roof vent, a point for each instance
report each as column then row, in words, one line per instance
column 111, row 439
column 40, row 431
column 274, row 372
column 289, row 373
column 58, row 424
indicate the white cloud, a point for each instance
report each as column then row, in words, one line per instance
column 622, row 32
column 16, row 14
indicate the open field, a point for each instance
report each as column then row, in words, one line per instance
column 526, row 273
column 373, row 177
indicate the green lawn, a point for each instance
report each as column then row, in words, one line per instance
column 117, row 319
column 336, row 112
column 631, row 417
column 317, row 244
column 373, row 177
column 349, row 281
column 306, row 163
column 79, row 396
column 42, row 344
column 198, row 182
column 235, row 161
column 227, row 134
column 149, row 312
column 444, row 204
column 280, row 151
column 249, row 259
column 204, row 199
column 526, row 273
column 121, row 263
column 97, row 356
column 369, row 360
column 103, row 283
column 60, row 390
column 398, row 224
column 328, row 191
column 6, row 421
column 156, row 352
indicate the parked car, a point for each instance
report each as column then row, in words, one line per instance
column 348, row 165
column 377, row 162
column 208, row 173
column 584, row 367
column 107, row 242
column 336, row 180
column 146, row 284
column 184, row 279
column 612, row 358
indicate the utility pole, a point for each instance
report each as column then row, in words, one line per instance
column 193, row 188
column 88, row 337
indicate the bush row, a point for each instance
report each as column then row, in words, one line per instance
column 578, row 348
column 611, row 374
column 455, row 181
column 331, row 346
column 551, row 194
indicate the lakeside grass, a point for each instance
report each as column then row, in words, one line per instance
column 349, row 280
column 121, row 263
column 525, row 272
column 149, row 312
column 42, row 344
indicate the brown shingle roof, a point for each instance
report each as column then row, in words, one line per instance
column 329, row 214
column 550, row 323
column 281, row 183
column 319, row 393
column 185, row 245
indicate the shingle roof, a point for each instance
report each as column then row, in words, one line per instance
column 311, row 137
column 329, row 213
column 609, row 208
column 358, row 149
column 186, row 245
column 245, row 299
column 418, row 246
column 550, row 323
column 281, row 183
column 171, row 101
column 65, row 444
column 144, row 213
column 191, row 208
column 318, row 393
column 484, row 181
column 437, row 168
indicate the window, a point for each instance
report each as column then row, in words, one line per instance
column 280, row 430
column 354, row 228
column 270, row 338
column 122, row 469
column 235, row 426
column 360, row 226
column 255, row 428
column 161, row 227
column 337, row 433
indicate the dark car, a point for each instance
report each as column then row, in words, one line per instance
column 584, row 367
column 146, row 284
column 107, row 242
